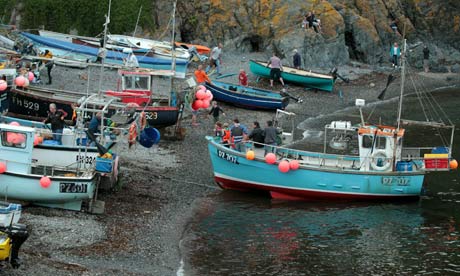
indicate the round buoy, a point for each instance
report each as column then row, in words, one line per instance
column 2, row 167
column 30, row 76
column 270, row 158
column 14, row 123
column 3, row 85
column 45, row 182
column 294, row 165
column 453, row 164
column 283, row 166
column 250, row 155
column 200, row 94
column 20, row 81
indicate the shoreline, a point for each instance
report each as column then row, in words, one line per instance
column 144, row 223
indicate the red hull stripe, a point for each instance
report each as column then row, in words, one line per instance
column 298, row 194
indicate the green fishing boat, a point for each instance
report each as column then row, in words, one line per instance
column 297, row 76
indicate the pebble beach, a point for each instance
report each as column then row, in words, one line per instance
column 141, row 229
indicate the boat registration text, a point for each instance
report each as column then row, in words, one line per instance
column 229, row 157
column 70, row 187
column 399, row 181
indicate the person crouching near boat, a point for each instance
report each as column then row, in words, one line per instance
column 276, row 67
column 56, row 118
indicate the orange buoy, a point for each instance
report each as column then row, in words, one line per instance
column 250, row 155
column 453, row 164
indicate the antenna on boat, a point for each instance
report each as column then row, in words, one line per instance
column 360, row 103
column 403, row 63
column 137, row 21
column 107, row 21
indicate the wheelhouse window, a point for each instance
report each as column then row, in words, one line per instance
column 133, row 82
column 381, row 142
column 367, row 141
column 13, row 139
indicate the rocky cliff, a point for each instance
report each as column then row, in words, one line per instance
column 351, row 29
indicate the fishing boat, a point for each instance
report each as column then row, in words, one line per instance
column 160, row 47
column 381, row 168
column 136, row 97
column 113, row 57
column 247, row 97
column 297, row 76
column 23, row 179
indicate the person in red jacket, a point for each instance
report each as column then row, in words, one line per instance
column 243, row 78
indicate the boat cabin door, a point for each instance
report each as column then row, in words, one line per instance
column 16, row 145
column 132, row 82
column 377, row 148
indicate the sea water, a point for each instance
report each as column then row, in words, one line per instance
column 235, row 233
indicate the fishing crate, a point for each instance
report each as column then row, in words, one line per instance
column 104, row 164
column 436, row 160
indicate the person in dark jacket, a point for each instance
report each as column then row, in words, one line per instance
column 270, row 137
column 56, row 118
column 257, row 135
column 215, row 111
column 297, row 60
column 426, row 59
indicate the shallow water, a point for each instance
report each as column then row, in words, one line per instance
column 236, row 233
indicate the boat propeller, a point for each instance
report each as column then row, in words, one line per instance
column 335, row 75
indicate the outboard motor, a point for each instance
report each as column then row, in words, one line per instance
column 284, row 93
column 194, row 53
column 334, row 73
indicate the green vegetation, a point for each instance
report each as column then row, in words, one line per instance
column 86, row 16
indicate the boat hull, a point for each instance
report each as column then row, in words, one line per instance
column 233, row 171
column 34, row 106
column 113, row 57
column 63, row 192
column 247, row 97
column 292, row 75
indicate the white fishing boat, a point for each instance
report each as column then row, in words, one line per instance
column 23, row 179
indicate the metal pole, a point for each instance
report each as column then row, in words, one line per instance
column 107, row 21
column 403, row 62
column 137, row 21
column 173, row 53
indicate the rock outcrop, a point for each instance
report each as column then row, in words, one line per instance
column 351, row 29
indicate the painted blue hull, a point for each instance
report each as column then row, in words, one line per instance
column 291, row 75
column 233, row 171
column 247, row 97
column 113, row 57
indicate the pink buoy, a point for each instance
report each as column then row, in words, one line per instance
column 11, row 137
column 3, row 85
column 2, row 167
column 270, row 158
column 20, row 81
column 30, row 76
column 199, row 104
column 45, row 182
column 194, row 106
column 294, row 165
column 14, row 123
column 283, row 166
column 20, row 138
column 200, row 94
column 206, row 103
column 201, row 87
column 36, row 140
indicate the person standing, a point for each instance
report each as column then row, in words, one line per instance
column 48, row 63
column 215, row 111
column 297, row 60
column 276, row 67
column 257, row 135
column 215, row 59
column 395, row 53
column 270, row 137
column 243, row 78
column 131, row 60
column 237, row 135
column 200, row 76
column 426, row 59
column 56, row 118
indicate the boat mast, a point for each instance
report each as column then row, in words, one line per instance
column 107, row 21
column 173, row 53
column 403, row 67
column 137, row 21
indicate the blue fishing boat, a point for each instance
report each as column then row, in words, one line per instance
column 247, row 97
column 376, row 166
column 297, row 76
column 113, row 57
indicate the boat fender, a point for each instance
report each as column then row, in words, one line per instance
column 143, row 120
column 132, row 134
column 380, row 161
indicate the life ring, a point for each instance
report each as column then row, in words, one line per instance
column 132, row 134
column 380, row 161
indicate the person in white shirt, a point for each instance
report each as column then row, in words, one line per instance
column 131, row 60
column 215, row 59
